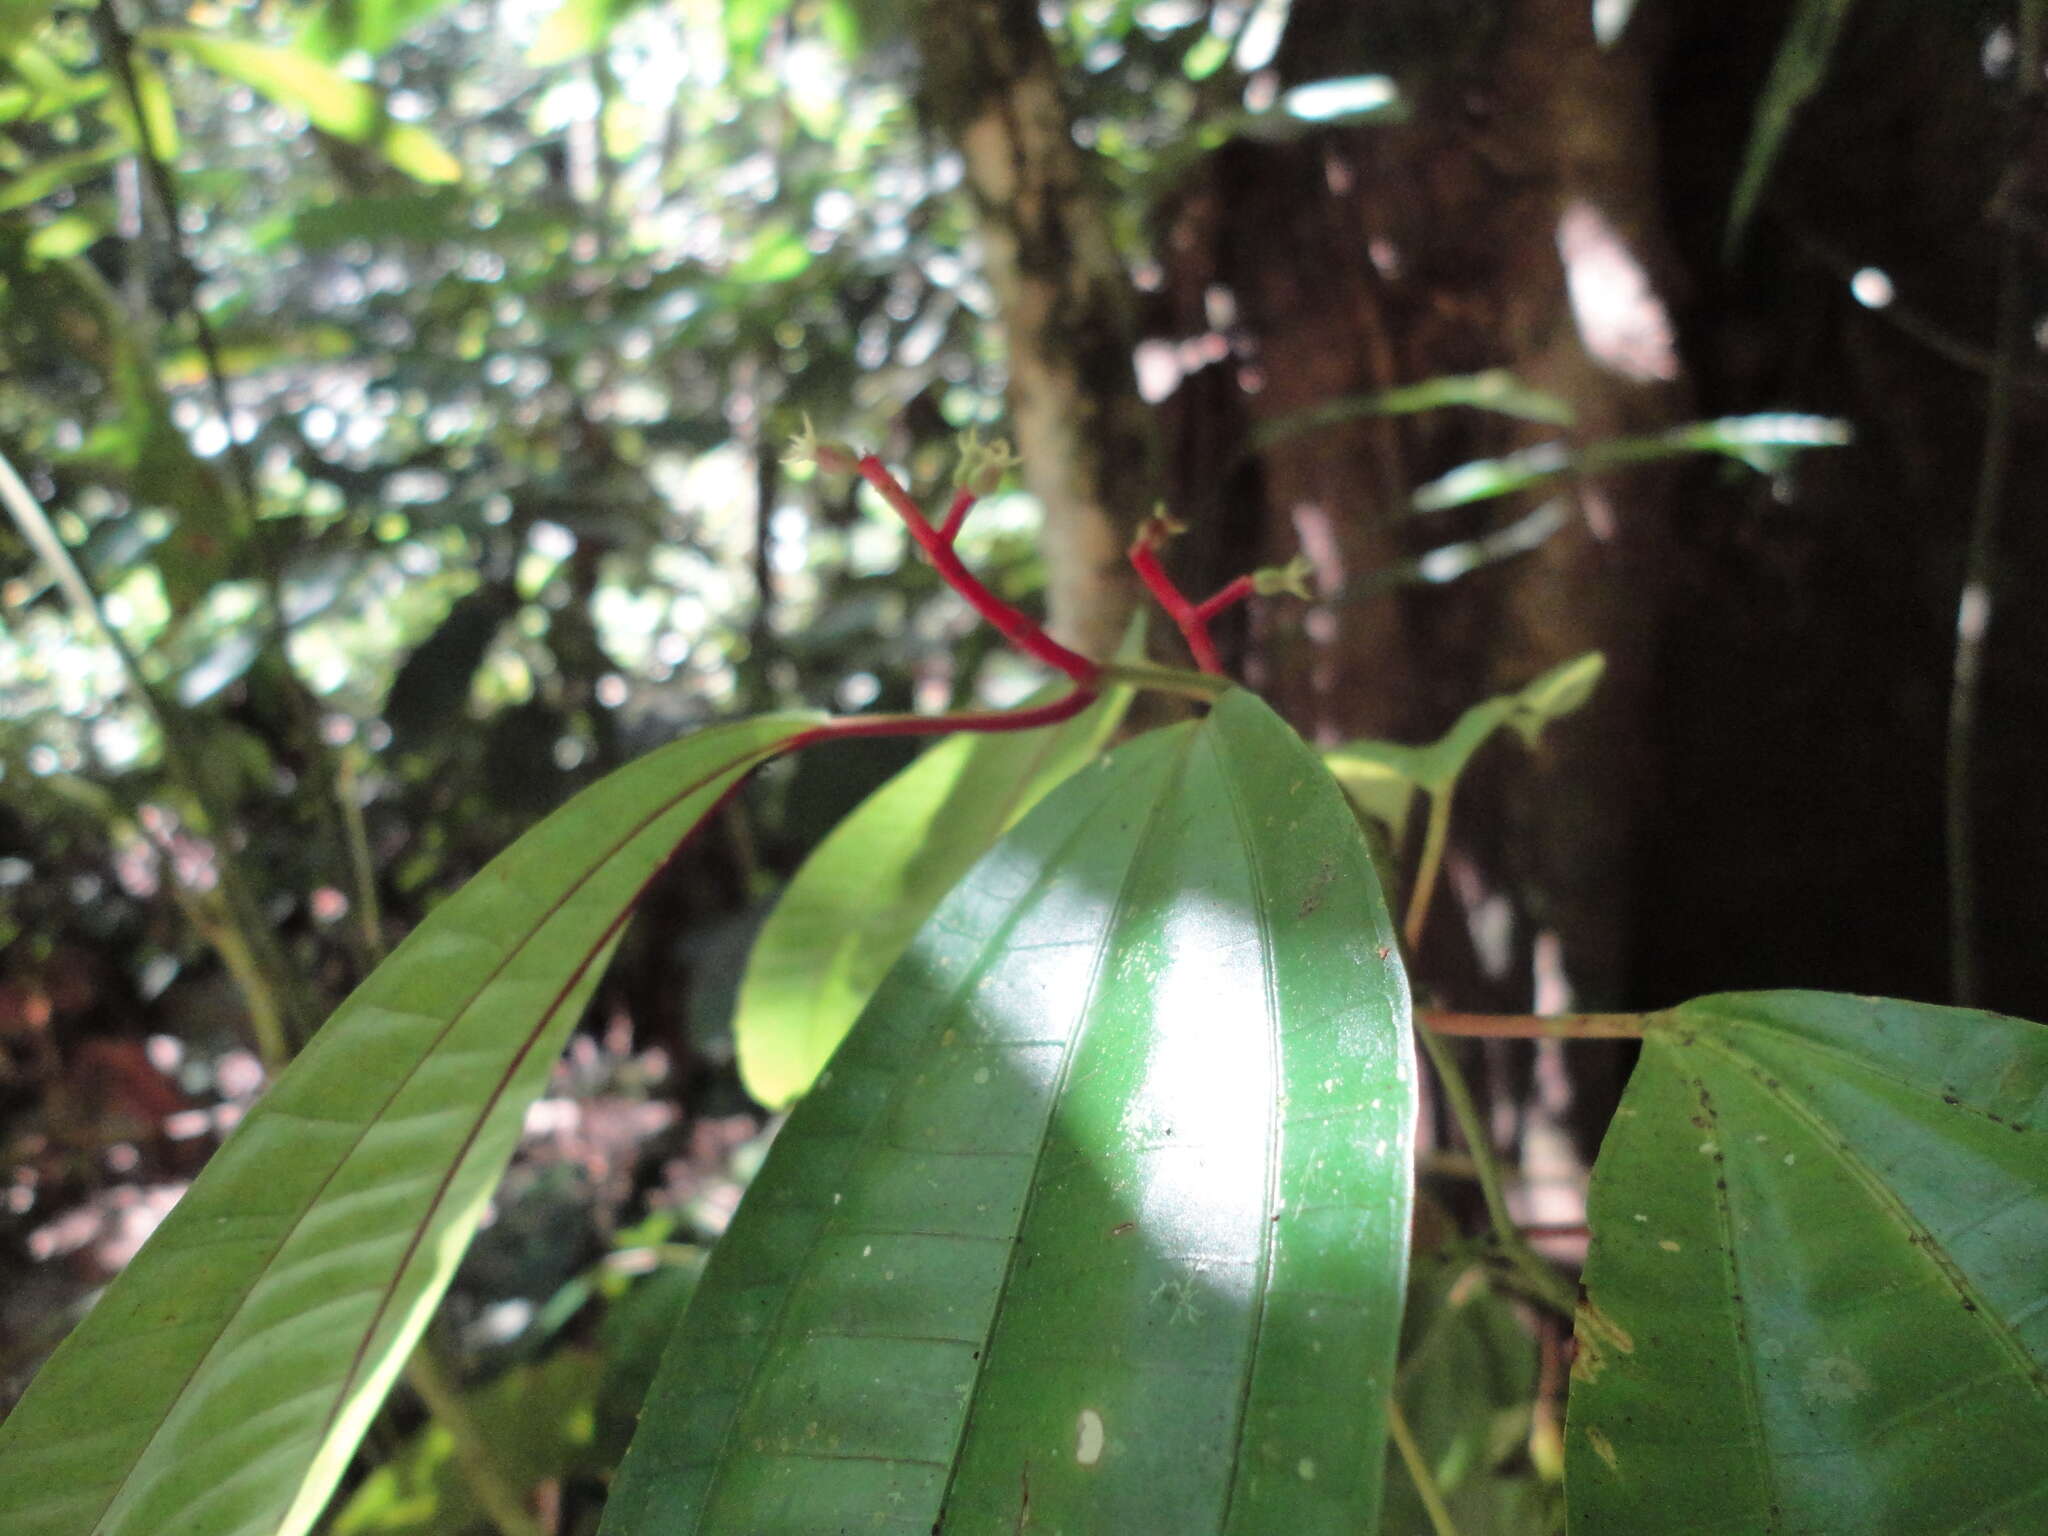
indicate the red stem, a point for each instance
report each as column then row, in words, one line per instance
column 1011, row 624
column 963, row 502
column 1063, row 708
column 1228, row 596
column 1186, row 617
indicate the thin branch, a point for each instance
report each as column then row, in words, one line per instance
column 1192, row 685
column 1014, row 627
column 369, row 914
column 238, row 934
column 1434, row 838
column 118, row 47
column 1541, row 1281
column 474, row 1453
column 1426, row 1489
column 1974, row 608
column 1187, row 618
column 1523, row 1026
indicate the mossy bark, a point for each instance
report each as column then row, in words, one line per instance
column 991, row 84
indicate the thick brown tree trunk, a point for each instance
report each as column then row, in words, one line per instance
column 1509, row 223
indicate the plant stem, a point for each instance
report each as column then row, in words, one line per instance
column 1434, row 837
column 1975, row 605
column 1014, row 627
column 1064, row 707
column 1226, row 597
column 475, row 1454
column 1204, row 686
column 1426, row 1488
column 369, row 915
column 956, row 514
column 1525, row 1026
column 302, row 721
column 1187, row 618
column 1542, row 1282
column 238, row 932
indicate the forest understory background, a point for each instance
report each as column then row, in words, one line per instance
column 411, row 389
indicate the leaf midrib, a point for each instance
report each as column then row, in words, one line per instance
column 1174, row 770
column 1263, row 916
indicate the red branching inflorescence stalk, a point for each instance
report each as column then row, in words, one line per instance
column 937, row 543
column 981, row 469
column 1193, row 619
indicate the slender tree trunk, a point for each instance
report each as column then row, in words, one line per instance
column 991, row 83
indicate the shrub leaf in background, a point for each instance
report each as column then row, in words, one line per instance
column 1814, row 1298
column 855, row 903
column 1381, row 777
column 221, row 1383
column 1099, row 1218
column 331, row 101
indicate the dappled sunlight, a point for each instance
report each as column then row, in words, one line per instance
column 1621, row 319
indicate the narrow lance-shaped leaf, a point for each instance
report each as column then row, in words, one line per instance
column 1817, row 1296
column 1796, row 73
column 1098, row 1220
column 297, row 80
column 220, row 1385
column 853, row 906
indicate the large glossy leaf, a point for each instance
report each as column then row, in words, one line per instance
column 1817, row 1297
column 1098, row 1220
column 853, row 906
column 220, row 1385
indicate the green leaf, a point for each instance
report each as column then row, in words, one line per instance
column 853, row 907
column 1815, row 1290
column 1103, row 1204
column 297, row 80
column 577, row 27
column 368, row 26
column 429, row 695
column 1378, row 790
column 52, row 173
column 775, row 255
column 540, row 1422
column 22, row 19
column 1765, row 442
column 1209, row 54
column 222, row 1382
column 420, row 218
column 1365, row 767
column 65, row 236
column 1493, row 390
column 1796, row 73
column 747, row 25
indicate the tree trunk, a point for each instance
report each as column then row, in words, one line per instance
column 1510, row 223
column 991, row 83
